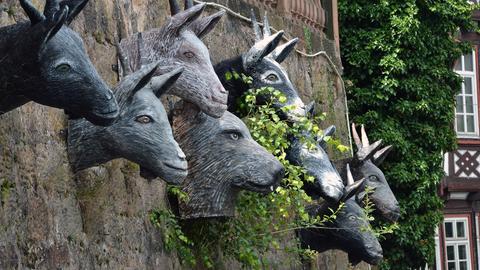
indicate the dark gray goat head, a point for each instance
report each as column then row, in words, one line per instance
column 328, row 183
column 262, row 63
column 45, row 61
column 365, row 165
column 177, row 44
column 141, row 133
column 223, row 159
column 350, row 231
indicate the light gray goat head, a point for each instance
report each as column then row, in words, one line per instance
column 222, row 160
column 365, row 165
column 45, row 61
column 141, row 133
column 262, row 63
column 178, row 44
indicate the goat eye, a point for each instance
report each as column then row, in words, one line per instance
column 144, row 119
column 351, row 217
column 272, row 77
column 372, row 178
column 234, row 136
column 63, row 67
column 189, row 54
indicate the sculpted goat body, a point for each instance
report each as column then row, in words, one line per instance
column 349, row 231
column 45, row 61
column 141, row 133
column 178, row 44
column 223, row 159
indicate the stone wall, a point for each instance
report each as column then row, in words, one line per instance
column 98, row 219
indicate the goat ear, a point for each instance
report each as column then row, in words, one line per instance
column 261, row 49
column 75, row 7
column 161, row 84
column 141, row 78
column 353, row 189
column 182, row 20
column 33, row 14
column 203, row 26
column 51, row 28
column 51, row 8
column 381, row 154
column 282, row 51
column 367, row 152
column 327, row 132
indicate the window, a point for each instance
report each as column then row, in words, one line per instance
column 466, row 121
column 457, row 244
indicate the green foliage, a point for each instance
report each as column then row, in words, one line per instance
column 398, row 58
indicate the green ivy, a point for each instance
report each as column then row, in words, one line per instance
column 398, row 60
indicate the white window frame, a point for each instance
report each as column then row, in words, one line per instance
column 473, row 75
column 456, row 241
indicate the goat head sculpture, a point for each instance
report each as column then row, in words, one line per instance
column 262, row 63
column 45, row 61
column 349, row 231
column 365, row 164
column 223, row 159
column 178, row 44
column 141, row 133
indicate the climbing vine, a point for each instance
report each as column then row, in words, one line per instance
column 398, row 60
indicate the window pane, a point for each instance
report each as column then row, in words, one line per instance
column 462, row 252
column 448, row 229
column 469, row 104
column 460, row 128
column 451, row 266
column 458, row 64
column 469, row 62
column 470, row 124
column 463, row 265
column 450, row 253
column 459, row 104
column 468, row 85
column 460, row 229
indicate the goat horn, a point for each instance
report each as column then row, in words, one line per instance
column 174, row 8
column 256, row 27
column 33, row 14
column 123, row 60
column 365, row 141
column 350, row 180
column 266, row 26
column 141, row 50
column 356, row 138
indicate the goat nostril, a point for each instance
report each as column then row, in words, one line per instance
column 181, row 155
